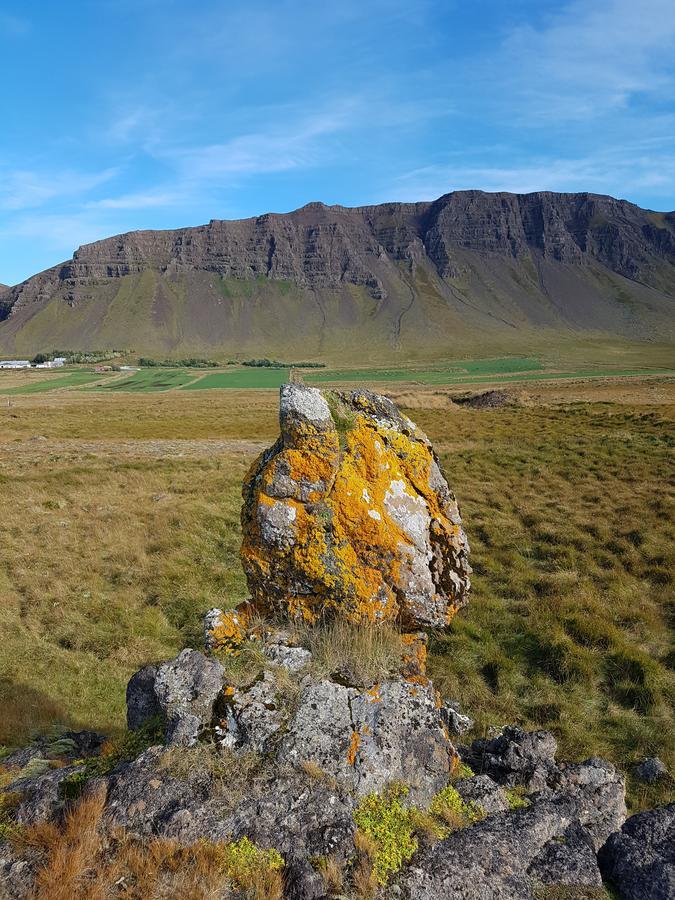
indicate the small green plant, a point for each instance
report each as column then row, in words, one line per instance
column 390, row 826
column 9, row 802
column 453, row 811
column 242, row 860
column 516, row 797
column 462, row 771
column 128, row 747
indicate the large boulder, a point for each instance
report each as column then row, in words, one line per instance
column 348, row 514
column 640, row 859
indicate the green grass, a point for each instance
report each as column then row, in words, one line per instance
column 241, row 378
column 150, row 380
column 474, row 374
column 73, row 379
column 478, row 371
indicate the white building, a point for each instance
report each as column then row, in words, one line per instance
column 14, row 364
column 55, row 363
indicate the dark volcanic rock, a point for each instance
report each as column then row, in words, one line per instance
column 516, row 757
column 567, row 860
column 640, row 859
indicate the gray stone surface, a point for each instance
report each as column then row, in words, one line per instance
column 639, row 859
column 186, row 689
column 490, row 859
column 369, row 738
column 142, row 702
column 292, row 658
column 254, row 716
column 568, row 860
column 516, row 757
column 454, row 719
column 481, row 789
column 651, row 769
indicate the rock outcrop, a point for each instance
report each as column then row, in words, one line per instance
column 349, row 515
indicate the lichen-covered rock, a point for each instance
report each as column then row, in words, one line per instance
column 186, row 689
column 516, row 757
column 454, row 719
column 640, row 859
column 490, row 859
column 252, row 717
column 484, row 792
column 371, row 737
column 348, row 514
column 651, row 769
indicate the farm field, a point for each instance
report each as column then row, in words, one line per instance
column 119, row 522
column 51, row 383
column 479, row 371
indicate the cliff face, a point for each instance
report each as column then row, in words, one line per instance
column 467, row 260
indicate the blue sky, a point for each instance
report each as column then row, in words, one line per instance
column 126, row 114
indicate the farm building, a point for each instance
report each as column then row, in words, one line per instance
column 55, row 363
column 14, row 364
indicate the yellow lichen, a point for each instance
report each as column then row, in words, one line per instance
column 346, row 553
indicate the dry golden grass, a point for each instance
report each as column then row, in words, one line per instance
column 80, row 860
column 122, row 527
column 366, row 653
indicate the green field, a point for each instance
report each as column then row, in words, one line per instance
column 72, row 379
column 241, row 378
column 462, row 372
column 150, row 380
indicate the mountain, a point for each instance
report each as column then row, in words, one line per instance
column 395, row 281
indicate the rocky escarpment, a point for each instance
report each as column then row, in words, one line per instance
column 305, row 753
column 467, row 260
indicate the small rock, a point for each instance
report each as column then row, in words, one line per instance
column 292, row 658
column 186, row 689
column 455, row 721
column 650, row 770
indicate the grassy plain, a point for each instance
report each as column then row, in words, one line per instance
column 119, row 522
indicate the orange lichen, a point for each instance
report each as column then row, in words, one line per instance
column 414, row 655
column 346, row 554
column 354, row 744
column 373, row 694
column 229, row 633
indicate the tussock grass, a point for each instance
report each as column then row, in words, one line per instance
column 122, row 528
column 362, row 654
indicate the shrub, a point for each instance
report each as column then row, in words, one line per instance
column 389, row 825
column 243, row 862
column 453, row 811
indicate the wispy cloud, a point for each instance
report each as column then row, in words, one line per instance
column 587, row 59
column 25, row 189
column 279, row 148
column 612, row 172
column 141, row 200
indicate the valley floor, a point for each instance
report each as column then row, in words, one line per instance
column 119, row 523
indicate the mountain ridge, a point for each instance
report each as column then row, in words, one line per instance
column 396, row 278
